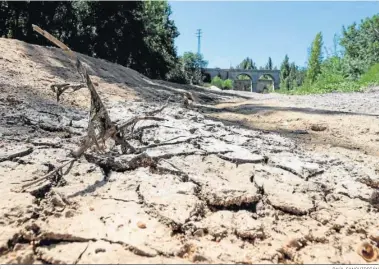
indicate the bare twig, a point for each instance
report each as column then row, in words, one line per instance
column 136, row 119
column 154, row 112
column 45, row 177
column 166, row 143
column 121, row 137
column 60, row 88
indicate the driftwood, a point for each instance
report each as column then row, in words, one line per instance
column 100, row 127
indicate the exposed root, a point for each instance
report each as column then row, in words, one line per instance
column 47, row 176
column 132, row 122
column 119, row 164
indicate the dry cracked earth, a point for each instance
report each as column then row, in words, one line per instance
column 207, row 192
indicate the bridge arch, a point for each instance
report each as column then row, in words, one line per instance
column 253, row 74
column 239, row 76
column 265, row 83
column 243, row 82
column 267, row 74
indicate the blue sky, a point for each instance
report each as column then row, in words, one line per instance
column 235, row 30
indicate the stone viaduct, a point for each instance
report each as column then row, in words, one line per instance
column 253, row 74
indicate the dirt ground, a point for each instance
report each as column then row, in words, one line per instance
column 238, row 178
column 318, row 129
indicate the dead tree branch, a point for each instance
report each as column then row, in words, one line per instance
column 100, row 127
column 60, row 88
column 120, row 164
column 45, row 177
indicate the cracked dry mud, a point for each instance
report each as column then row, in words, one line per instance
column 211, row 193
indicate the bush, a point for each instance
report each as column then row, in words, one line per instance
column 177, row 75
column 217, row 81
column 222, row 84
column 228, row 84
column 331, row 79
column 371, row 77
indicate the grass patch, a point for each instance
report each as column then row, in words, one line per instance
column 347, row 86
column 371, row 77
column 337, row 83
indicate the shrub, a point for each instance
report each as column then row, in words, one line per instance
column 177, row 75
column 371, row 77
column 228, row 84
column 217, row 81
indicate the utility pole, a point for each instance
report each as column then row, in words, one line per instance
column 198, row 34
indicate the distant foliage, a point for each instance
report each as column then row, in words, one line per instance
column 136, row 34
column 371, row 77
column 222, row 84
column 188, row 69
column 351, row 67
column 284, row 74
column 178, row 74
column 269, row 65
column 217, row 81
column 247, row 64
column 227, row 84
column 291, row 76
column 315, row 59
column 243, row 77
column 361, row 46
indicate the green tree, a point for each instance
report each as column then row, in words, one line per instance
column 292, row 83
column 192, row 64
column 361, row 46
column 177, row 74
column 315, row 59
column 136, row 34
column 284, row 74
column 248, row 64
column 300, row 76
column 269, row 65
column 160, row 33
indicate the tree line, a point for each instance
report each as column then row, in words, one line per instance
column 141, row 34
column 351, row 64
column 136, row 34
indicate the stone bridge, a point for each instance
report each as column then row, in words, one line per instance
column 253, row 74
